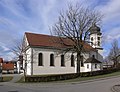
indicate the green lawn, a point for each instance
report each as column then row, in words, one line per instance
column 7, row 78
column 80, row 78
column 93, row 77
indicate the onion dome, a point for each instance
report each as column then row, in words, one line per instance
column 95, row 29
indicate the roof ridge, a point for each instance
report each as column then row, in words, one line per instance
column 40, row 34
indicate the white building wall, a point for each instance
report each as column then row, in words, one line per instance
column 56, row 69
column 46, row 68
column 27, row 59
column 92, row 67
column 95, row 45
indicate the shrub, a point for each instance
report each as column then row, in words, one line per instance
column 51, row 77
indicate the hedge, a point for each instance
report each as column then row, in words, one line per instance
column 100, row 72
column 48, row 78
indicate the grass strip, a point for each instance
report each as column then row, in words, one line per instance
column 6, row 78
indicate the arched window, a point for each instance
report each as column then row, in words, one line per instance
column 98, row 43
column 72, row 60
column 51, row 59
column 91, row 38
column 40, row 59
column 87, row 66
column 95, row 66
column 62, row 60
column 98, row 38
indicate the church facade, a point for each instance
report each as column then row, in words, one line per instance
column 41, row 55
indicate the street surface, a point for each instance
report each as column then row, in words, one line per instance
column 95, row 86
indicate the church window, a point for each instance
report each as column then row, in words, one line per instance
column 95, row 66
column 62, row 60
column 72, row 60
column 40, row 59
column 91, row 38
column 98, row 38
column 98, row 43
column 51, row 59
column 87, row 66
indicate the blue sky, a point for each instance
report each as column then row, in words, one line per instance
column 19, row 16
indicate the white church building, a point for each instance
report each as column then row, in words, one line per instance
column 42, row 58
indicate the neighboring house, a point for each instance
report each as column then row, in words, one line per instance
column 8, row 66
column 42, row 56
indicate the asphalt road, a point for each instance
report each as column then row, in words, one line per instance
column 95, row 86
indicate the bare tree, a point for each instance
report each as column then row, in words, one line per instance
column 19, row 50
column 74, row 25
column 114, row 54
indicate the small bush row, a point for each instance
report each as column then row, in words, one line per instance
column 100, row 72
column 50, row 78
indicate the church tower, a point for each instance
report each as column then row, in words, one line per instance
column 95, row 38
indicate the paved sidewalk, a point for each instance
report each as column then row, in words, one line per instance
column 16, row 78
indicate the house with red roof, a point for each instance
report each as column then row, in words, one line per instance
column 42, row 56
column 7, row 66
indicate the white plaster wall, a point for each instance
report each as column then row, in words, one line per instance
column 92, row 67
column 46, row 68
column 98, row 67
column 57, row 69
column 28, row 61
column 87, row 69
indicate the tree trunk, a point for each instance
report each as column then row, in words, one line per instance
column 78, row 62
column 24, row 75
column 25, row 71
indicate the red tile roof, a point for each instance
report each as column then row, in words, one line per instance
column 8, row 66
column 49, row 41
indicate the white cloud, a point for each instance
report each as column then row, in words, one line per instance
column 112, row 34
column 37, row 15
column 110, row 10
